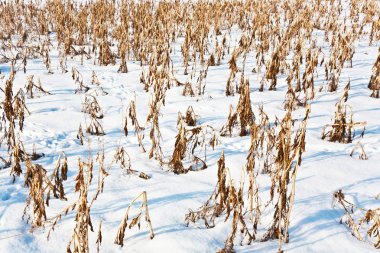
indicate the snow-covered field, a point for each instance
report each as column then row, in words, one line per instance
column 52, row 128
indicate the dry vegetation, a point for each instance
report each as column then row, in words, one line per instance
column 359, row 220
column 116, row 32
column 228, row 200
column 343, row 128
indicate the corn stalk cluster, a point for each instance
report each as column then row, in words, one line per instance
column 79, row 242
column 12, row 124
column 40, row 188
column 287, row 145
column 343, row 128
column 188, row 147
column 114, row 32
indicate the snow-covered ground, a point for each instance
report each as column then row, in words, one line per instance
column 53, row 124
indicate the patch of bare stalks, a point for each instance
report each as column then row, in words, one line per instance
column 95, row 127
column 57, row 177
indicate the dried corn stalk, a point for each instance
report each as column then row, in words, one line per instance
column 190, row 117
column 77, row 77
column 122, row 158
column 217, row 202
column 57, row 177
column 288, row 161
column 343, row 128
column 138, row 129
column 368, row 223
column 35, row 180
column 92, row 107
column 187, row 141
column 32, row 88
column 374, row 83
column 80, row 135
column 79, row 240
column 243, row 116
column 362, row 155
column 135, row 220
column 95, row 128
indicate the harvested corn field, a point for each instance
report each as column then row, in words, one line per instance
column 189, row 126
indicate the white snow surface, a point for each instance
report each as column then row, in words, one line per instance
column 326, row 167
